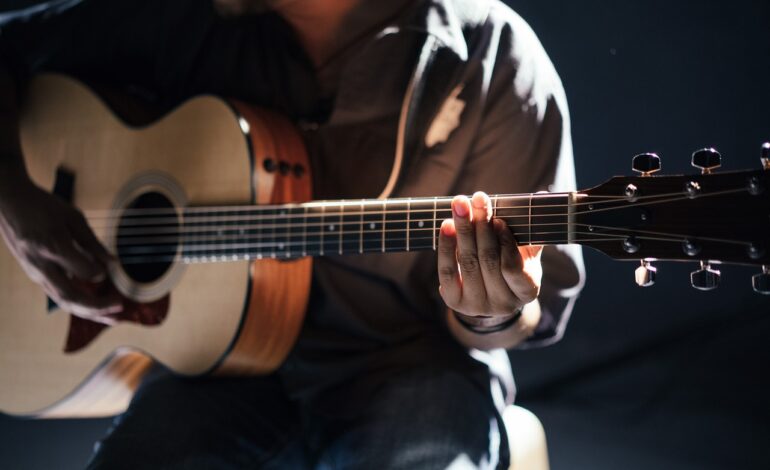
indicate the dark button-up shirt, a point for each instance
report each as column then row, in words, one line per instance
column 478, row 103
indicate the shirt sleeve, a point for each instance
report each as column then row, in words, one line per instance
column 524, row 145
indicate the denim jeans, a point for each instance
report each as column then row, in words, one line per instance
column 419, row 419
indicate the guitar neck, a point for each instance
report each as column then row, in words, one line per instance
column 352, row 227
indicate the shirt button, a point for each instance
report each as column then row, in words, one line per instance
column 308, row 125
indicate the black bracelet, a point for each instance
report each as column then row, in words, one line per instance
column 491, row 329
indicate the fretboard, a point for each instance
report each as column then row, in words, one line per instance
column 351, row 227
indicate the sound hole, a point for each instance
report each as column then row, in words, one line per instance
column 147, row 239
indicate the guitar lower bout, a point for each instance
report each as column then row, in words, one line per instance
column 191, row 314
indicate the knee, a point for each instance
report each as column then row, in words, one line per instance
column 439, row 419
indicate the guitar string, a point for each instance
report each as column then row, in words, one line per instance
column 206, row 212
column 361, row 214
column 184, row 229
column 94, row 213
column 337, row 242
column 286, row 214
column 289, row 225
column 137, row 259
column 131, row 241
column 337, row 245
column 272, row 243
column 670, row 234
column 240, row 237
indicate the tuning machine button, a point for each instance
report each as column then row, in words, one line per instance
column 705, row 278
column 646, row 163
column 765, row 156
column 645, row 274
column 631, row 244
column 690, row 247
column 707, row 160
column 761, row 282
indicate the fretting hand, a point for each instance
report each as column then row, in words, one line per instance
column 485, row 277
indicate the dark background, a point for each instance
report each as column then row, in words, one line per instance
column 662, row 377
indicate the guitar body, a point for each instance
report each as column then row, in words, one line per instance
column 238, row 317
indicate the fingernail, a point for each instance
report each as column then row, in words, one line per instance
column 447, row 228
column 458, row 205
column 478, row 200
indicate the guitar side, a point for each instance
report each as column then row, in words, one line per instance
column 236, row 317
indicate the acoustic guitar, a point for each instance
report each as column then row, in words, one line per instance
column 206, row 212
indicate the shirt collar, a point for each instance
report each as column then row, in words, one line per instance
column 445, row 20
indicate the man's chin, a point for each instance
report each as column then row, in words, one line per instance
column 244, row 7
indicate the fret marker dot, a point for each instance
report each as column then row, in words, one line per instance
column 372, row 225
column 331, row 228
column 280, row 246
column 421, row 224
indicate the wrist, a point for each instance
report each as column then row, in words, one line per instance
column 507, row 338
column 484, row 325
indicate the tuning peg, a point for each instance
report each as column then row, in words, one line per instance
column 761, row 282
column 765, row 157
column 705, row 278
column 646, row 163
column 645, row 274
column 707, row 160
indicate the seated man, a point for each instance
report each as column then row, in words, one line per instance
column 421, row 98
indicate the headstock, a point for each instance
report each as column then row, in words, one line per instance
column 708, row 218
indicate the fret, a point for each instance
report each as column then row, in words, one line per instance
column 550, row 220
column 514, row 211
column 408, row 216
column 361, row 228
column 196, row 225
column 530, row 218
column 267, row 241
column 331, row 229
column 395, row 226
column 433, row 232
column 280, row 233
column 350, row 229
column 313, row 232
column 190, row 241
column 372, row 235
column 421, row 223
column 225, row 227
column 383, row 225
column 573, row 199
column 295, row 243
column 304, row 230
column 443, row 211
column 224, row 235
column 249, row 234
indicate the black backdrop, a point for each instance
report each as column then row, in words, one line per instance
column 663, row 377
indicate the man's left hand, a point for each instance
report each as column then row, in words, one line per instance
column 484, row 275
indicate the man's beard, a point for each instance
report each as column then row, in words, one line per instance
column 245, row 7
